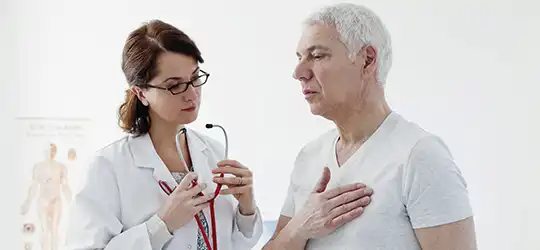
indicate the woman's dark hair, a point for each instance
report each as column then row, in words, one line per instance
column 139, row 64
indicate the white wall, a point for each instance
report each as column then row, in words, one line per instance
column 462, row 69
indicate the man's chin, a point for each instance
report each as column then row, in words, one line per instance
column 315, row 109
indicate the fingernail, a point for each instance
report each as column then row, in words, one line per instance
column 360, row 185
column 368, row 191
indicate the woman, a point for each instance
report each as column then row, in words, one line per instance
column 121, row 205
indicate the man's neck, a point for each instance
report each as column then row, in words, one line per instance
column 356, row 126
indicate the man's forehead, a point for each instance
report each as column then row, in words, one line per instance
column 317, row 37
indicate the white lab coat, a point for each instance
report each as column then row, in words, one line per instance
column 121, row 192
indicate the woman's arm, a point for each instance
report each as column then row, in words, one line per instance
column 93, row 220
column 247, row 229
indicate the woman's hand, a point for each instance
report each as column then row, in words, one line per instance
column 240, row 185
column 183, row 203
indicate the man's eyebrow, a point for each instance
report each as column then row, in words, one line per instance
column 315, row 47
column 319, row 47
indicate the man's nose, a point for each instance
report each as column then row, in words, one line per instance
column 302, row 72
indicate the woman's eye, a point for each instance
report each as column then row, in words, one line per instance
column 176, row 86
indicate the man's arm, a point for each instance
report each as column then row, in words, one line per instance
column 284, row 239
column 458, row 235
column 436, row 198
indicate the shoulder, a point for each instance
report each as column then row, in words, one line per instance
column 205, row 138
column 318, row 144
column 211, row 143
column 418, row 143
column 409, row 139
column 113, row 149
column 312, row 157
column 114, row 152
column 430, row 155
column 425, row 156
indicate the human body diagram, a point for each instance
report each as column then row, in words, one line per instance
column 49, row 185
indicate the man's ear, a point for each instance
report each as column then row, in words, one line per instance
column 140, row 95
column 370, row 55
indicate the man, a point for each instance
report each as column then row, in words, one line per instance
column 49, row 178
column 420, row 199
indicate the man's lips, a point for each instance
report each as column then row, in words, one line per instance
column 189, row 109
column 308, row 92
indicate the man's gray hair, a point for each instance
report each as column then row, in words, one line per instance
column 358, row 26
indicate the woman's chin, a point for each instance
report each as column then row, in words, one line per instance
column 187, row 118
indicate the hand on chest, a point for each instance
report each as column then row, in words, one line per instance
column 382, row 174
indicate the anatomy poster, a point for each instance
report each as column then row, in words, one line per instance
column 50, row 156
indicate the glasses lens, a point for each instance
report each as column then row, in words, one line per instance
column 177, row 89
column 200, row 80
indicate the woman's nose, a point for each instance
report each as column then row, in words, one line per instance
column 191, row 93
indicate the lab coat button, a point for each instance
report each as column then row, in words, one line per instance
column 188, row 246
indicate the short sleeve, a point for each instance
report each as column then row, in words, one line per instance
column 288, row 206
column 435, row 192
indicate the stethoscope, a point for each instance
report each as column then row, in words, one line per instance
column 168, row 190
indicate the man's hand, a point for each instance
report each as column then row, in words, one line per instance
column 326, row 210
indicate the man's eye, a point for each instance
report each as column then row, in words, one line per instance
column 318, row 56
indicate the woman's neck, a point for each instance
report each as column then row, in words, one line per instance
column 163, row 135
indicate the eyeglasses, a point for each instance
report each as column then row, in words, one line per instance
column 181, row 87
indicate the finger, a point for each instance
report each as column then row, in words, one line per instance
column 194, row 191
column 347, row 207
column 231, row 163
column 240, row 172
column 349, row 196
column 346, row 217
column 200, row 207
column 202, row 199
column 186, row 181
column 233, row 180
column 323, row 181
column 329, row 194
column 236, row 190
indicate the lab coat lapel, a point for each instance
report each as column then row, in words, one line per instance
column 200, row 160
column 145, row 156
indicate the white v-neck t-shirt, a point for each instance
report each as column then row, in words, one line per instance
column 415, row 180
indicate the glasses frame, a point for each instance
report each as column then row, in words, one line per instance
column 170, row 88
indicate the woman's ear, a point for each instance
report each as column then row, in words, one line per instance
column 140, row 95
